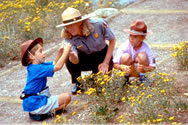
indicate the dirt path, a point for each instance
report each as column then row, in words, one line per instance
column 167, row 27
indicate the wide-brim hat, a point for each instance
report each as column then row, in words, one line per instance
column 138, row 27
column 27, row 46
column 71, row 16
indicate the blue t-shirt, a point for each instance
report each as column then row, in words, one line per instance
column 36, row 81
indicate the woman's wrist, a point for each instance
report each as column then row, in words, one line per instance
column 106, row 62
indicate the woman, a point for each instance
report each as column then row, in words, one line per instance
column 89, row 49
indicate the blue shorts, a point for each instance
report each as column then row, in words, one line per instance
column 52, row 104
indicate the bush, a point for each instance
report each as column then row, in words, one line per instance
column 180, row 52
column 110, row 97
column 22, row 20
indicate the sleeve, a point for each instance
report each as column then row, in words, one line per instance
column 106, row 30
column 120, row 51
column 46, row 70
column 151, row 58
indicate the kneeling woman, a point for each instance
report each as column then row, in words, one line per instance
column 89, row 49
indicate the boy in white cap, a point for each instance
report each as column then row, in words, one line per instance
column 134, row 56
column 88, row 38
column 36, row 96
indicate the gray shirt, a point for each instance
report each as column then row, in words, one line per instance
column 96, row 40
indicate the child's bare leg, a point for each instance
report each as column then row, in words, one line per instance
column 64, row 100
column 142, row 59
column 126, row 59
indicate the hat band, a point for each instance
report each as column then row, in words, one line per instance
column 138, row 32
column 71, row 20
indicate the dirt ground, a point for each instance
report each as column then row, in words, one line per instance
column 166, row 28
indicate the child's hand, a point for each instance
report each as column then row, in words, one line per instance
column 67, row 47
column 126, row 68
column 140, row 68
column 61, row 48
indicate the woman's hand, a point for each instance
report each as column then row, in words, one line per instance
column 103, row 67
column 73, row 57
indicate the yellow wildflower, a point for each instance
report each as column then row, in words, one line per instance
column 132, row 104
column 78, row 92
column 91, row 76
column 121, row 121
column 123, row 99
column 152, row 75
column 44, row 123
column 121, row 116
column 79, row 78
column 99, row 72
column 149, row 96
column 159, row 120
column 103, row 90
column 102, row 83
column 76, row 102
column 148, row 121
column 73, row 113
column 162, row 91
column 166, row 80
column 171, row 118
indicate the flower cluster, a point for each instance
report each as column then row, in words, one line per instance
column 180, row 52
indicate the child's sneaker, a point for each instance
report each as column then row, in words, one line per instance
column 144, row 80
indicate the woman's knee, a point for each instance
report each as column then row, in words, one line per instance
column 126, row 59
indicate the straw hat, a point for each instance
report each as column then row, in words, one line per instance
column 70, row 16
column 138, row 27
column 27, row 46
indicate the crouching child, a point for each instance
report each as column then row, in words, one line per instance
column 36, row 96
column 134, row 56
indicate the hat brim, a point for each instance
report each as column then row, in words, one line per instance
column 66, row 24
column 34, row 42
column 136, row 33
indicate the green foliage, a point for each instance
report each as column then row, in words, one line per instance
column 180, row 52
column 181, row 105
column 109, row 96
column 104, row 92
column 22, row 20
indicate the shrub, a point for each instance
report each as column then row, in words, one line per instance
column 22, row 20
column 180, row 52
column 110, row 97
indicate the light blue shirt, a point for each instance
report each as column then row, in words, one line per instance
column 36, row 81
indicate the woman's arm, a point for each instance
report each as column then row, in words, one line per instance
column 105, row 64
column 73, row 57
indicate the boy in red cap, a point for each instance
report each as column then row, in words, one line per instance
column 36, row 96
column 134, row 56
